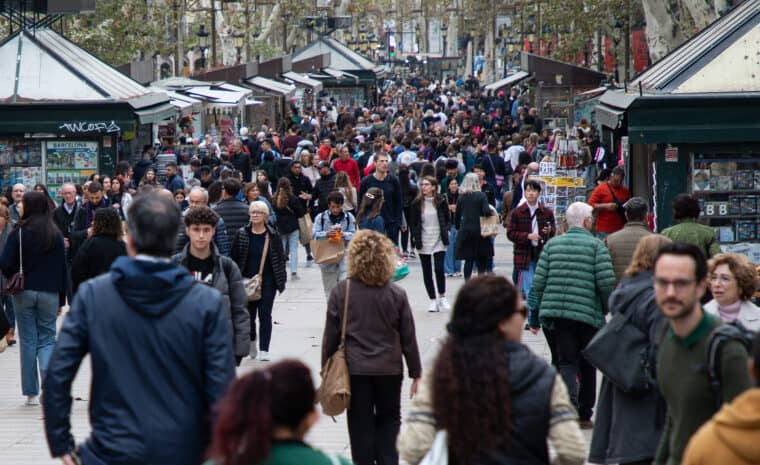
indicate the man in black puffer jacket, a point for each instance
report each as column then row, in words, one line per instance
column 325, row 184
column 234, row 212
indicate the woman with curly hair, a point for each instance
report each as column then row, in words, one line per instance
column 733, row 282
column 494, row 398
column 379, row 333
column 103, row 245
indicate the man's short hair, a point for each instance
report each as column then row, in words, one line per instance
column 686, row 250
column 685, row 206
column 452, row 164
column 171, row 164
column 335, row 197
column 636, row 209
column 533, row 184
column 198, row 189
column 231, row 186
column 204, row 170
column 618, row 171
column 153, row 224
column 94, row 187
column 201, row 215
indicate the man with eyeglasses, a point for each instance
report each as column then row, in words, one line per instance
column 680, row 280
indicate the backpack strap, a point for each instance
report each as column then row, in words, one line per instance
column 717, row 340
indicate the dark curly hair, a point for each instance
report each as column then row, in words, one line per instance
column 201, row 215
column 471, row 382
column 107, row 222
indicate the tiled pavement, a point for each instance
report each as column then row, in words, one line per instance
column 299, row 319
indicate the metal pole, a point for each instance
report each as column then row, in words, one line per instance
column 627, row 67
column 213, row 33
column 177, row 46
column 247, row 30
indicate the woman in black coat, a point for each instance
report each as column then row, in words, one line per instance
column 470, row 246
column 247, row 251
column 288, row 209
column 99, row 251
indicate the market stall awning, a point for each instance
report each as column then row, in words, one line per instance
column 507, row 81
column 303, row 79
column 270, row 85
column 609, row 117
column 185, row 104
column 340, row 75
column 253, row 101
column 341, row 56
column 156, row 113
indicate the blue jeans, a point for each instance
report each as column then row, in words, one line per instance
column 449, row 264
column 526, row 281
column 290, row 242
column 36, row 313
column 602, row 235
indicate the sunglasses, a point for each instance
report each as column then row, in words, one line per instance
column 522, row 309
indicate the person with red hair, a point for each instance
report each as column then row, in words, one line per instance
column 264, row 418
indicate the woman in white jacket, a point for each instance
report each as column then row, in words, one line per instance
column 733, row 281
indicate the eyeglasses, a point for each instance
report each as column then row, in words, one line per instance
column 723, row 279
column 257, row 213
column 678, row 284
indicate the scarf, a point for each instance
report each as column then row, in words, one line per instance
column 729, row 313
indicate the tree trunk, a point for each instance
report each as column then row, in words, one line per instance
column 663, row 30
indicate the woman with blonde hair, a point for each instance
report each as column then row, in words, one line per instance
column 733, row 282
column 470, row 246
column 379, row 333
column 629, row 425
column 344, row 186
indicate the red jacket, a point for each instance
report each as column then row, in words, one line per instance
column 350, row 167
column 608, row 221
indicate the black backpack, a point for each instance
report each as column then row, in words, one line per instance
column 717, row 340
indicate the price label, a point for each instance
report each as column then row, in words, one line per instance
column 710, row 209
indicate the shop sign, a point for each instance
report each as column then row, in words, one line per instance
column 84, row 127
column 671, row 154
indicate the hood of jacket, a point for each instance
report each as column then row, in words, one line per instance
column 524, row 372
column 629, row 291
column 736, row 425
column 152, row 288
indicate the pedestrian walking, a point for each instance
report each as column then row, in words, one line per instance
column 629, row 424
column 254, row 242
column 35, row 248
column 272, row 430
column 379, row 332
column 531, row 226
column 344, row 186
column 470, row 245
column 120, row 198
column 452, row 267
column 198, row 198
column 733, row 281
column 392, row 203
column 7, row 302
column 206, row 265
column 159, row 346
column 573, row 281
column 496, row 400
column 369, row 216
column 232, row 211
column 17, row 194
column 409, row 192
column 334, row 224
column 686, row 211
column 64, row 216
column 429, row 221
column 680, row 280
column 608, row 199
column 85, row 215
column 288, row 209
column 621, row 244
column 731, row 435
column 101, row 249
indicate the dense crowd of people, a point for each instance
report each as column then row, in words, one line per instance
column 214, row 228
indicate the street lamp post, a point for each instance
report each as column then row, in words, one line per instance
column 444, row 30
column 202, row 43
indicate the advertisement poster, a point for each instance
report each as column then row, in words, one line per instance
column 27, row 153
column 69, row 161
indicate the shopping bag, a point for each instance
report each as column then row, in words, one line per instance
column 304, row 229
column 326, row 252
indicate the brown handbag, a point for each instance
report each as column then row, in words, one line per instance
column 15, row 285
column 253, row 285
column 335, row 392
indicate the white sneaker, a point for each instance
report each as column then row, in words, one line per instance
column 31, row 401
column 3, row 344
column 443, row 304
column 254, row 350
column 433, row 306
column 263, row 356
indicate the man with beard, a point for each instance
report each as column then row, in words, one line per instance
column 680, row 280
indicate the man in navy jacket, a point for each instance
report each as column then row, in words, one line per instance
column 161, row 354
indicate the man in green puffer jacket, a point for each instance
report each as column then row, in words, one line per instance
column 573, row 280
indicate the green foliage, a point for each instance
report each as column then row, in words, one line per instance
column 120, row 30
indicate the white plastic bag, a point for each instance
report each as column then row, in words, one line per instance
column 439, row 451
